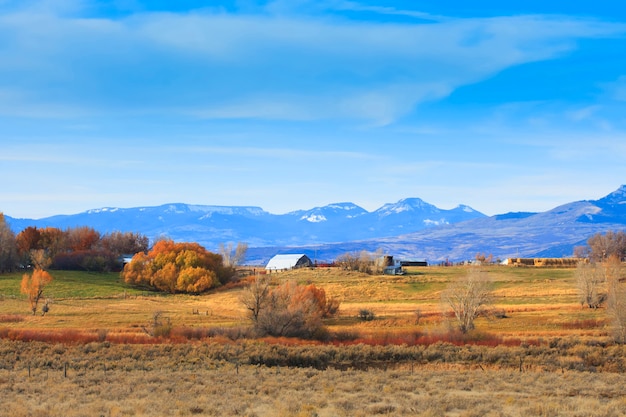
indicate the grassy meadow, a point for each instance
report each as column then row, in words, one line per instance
column 535, row 302
column 537, row 353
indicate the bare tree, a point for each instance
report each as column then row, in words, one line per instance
column 590, row 281
column 255, row 297
column 8, row 247
column 240, row 254
column 468, row 297
column 233, row 257
column 603, row 246
column 616, row 298
column 363, row 261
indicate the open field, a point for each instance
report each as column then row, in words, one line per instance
column 541, row 355
column 536, row 302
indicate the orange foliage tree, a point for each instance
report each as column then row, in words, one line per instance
column 33, row 286
column 82, row 238
column 27, row 240
column 290, row 309
column 177, row 268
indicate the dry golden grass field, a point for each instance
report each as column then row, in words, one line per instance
column 538, row 354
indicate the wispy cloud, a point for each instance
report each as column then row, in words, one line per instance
column 277, row 67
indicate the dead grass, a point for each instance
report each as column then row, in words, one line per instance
column 538, row 354
column 104, row 379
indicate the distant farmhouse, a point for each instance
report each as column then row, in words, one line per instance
column 288, row 261
column 392, row 266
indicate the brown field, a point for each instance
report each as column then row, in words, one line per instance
column 538, row 354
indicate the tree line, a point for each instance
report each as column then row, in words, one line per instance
column 78, row 248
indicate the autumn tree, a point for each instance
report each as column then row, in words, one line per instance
column 328, row 306
column 28, row 240
column 468, row 297
column 177, row 267
column 33, row 286
column 290, row 309
column 8, row 247
column 53, row 241
column 590, row 282
column 82, row 238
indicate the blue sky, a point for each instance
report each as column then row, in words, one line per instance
column 292, row 104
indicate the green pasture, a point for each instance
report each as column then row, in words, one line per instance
column 71, row 284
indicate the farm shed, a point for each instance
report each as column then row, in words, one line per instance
column 288, row 261
column 389, row 265
column 414, row 262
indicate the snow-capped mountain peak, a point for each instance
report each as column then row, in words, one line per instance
column 314, row 218
column 406, row 205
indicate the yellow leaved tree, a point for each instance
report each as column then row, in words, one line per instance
column 33, row 286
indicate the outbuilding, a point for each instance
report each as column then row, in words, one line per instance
column 288, row 261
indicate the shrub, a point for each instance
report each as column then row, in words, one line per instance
column 366, row 315
column 86, row 260
column 290, row 310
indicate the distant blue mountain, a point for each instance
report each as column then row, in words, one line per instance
column 554, row 233
column 409, row 228
column 212, row 225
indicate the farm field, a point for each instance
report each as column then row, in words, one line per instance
column 538, row 354
column 535, row 302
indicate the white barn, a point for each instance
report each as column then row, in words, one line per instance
column 288, row 261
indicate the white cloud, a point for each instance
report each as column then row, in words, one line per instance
column 280, row 67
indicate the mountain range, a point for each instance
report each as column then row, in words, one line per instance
column 409, row 229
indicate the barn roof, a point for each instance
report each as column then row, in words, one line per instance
column 286, row 261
